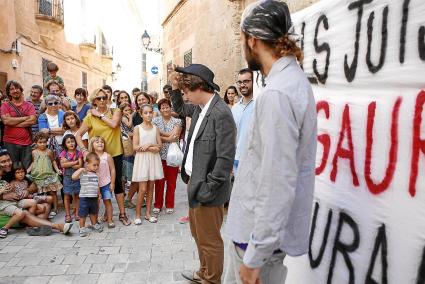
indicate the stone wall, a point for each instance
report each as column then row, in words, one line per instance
column 45, row 39
column 211, row 29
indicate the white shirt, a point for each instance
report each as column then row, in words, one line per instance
column 53, row 121
column 189, row 158
column 272, row 197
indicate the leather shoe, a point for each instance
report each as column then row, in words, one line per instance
column 191, row 276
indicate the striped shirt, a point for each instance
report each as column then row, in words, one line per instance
column 89, row 184
column 37, row 107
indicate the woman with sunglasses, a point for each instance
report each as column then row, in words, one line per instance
column 105, row 122
column 82, row 106
column 50, row 122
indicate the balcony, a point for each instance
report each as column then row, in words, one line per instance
column 50, row 11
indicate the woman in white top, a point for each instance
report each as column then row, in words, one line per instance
column 51, row 121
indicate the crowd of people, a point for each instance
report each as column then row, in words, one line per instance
column 48, row 136
column 52, row 141
column 94, row 147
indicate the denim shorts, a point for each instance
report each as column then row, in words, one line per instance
column 106, row 192
column 88, row 206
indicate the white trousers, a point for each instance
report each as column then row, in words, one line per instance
column 273, row 272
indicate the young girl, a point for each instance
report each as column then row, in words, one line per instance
column 44, row 169
column 19, row 184
column 127, row 129
column 71, row 160
column 89, row 194
column 106, row 175
column 71, row 124
column 147, row 163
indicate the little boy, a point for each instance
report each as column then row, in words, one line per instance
column 53, row 69
column 89, row 193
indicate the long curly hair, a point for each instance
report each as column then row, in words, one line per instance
column 284, row 46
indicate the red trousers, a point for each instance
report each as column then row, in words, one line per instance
column 170, row 177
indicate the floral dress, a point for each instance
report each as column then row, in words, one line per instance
column 43, row 174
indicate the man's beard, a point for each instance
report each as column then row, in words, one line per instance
column 253, row 64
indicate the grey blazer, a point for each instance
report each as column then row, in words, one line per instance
column 213, row 151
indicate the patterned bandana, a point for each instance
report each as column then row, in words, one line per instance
column 266, row 20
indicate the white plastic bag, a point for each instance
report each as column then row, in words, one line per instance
column 174, row 155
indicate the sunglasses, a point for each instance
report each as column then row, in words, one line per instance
column 104, row 98
column 53, row 103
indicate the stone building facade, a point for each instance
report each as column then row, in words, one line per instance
column 32, row 34
column 207, row 32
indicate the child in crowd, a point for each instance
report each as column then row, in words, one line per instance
column 147, row 164
column 19, row 184
column 52, row 69
column 89, row 193
column 71, row 124
column 44, row 169
column 127, row 129
column 71, row 160
column 106, row 175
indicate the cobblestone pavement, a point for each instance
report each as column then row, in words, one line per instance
column 149, row 253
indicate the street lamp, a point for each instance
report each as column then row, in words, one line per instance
column 115, row 73
column 146, row 41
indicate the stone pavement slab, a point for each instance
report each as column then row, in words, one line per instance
column 149, row 253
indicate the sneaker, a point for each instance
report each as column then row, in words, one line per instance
column 156, row 210
column 84, row 232
column 52, row 214
column 3, row 233
column 169, row 211
column 184, row 220
column 97, row 227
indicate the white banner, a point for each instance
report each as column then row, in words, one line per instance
column 369, row 212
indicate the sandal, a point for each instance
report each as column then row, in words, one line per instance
column 68, row 219
column 103, row 219
column 3, row 232
column 152, row 219
column 124, row 219
column 111, row 225
column 77, row 218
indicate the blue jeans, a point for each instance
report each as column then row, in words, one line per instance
column 235, row 166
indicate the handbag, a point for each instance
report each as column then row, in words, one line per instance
column 127, row 145
column 174, row 155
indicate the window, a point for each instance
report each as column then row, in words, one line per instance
column 44, row 63
column 187, row 58
column 51, row 8
column 169, row 70
column 105, row 47
column 84, row 80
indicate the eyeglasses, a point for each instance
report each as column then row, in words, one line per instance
column 104, row 98
column 53, row 103
column 245, row 82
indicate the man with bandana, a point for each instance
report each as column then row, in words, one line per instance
column 270, row 207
